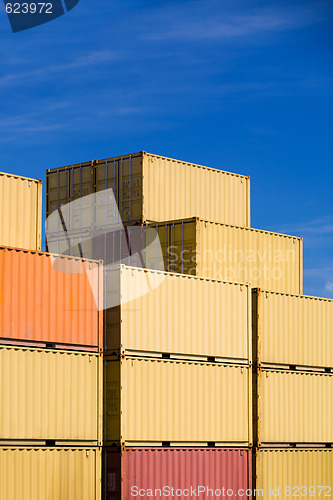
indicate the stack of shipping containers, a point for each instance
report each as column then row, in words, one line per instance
column 178, row 378
column 293, row 394
column 184, row 361
column 50, row 362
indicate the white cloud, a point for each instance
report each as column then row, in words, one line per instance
column 200, row 23
column 316, row 227
column 92, row 59
column 329, row 286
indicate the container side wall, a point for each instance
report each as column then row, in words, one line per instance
column 175, row 189
column 177, row 402
column 153, row 188
column 50, row 473
column 266, row 260
column 295, row 407
column 178, row 468
column 20, row 212
column 45, row 298
column 296, row 330
column 197, row 247
column 307, row 473
column 49, row 395
column 182, row 314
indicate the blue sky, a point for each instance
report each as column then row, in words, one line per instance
column 245, row 86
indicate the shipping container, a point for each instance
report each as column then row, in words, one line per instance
column 129, row 471
column 20, row 211
column 50, row 473
column 183, row 315
column 286, row 473
column 152, row 401
column 50, row 300
column 293, row 407
column 292, row 330
column 271, row 261
column 150, row 188
column 50, row 396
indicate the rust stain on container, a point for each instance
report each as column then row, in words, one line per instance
column 46, row 299
column 20, row 211
column 131, row 470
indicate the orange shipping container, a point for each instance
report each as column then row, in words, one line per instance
column 50, row 300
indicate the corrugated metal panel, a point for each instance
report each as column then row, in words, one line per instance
column 50, row 395
column 131, row 201
column 20, row 211
column 152, row 188
column 293, row 329
column 155, row 401
column 184, row 315
column 49, row 299
column 303, row 473
column 50, row 474
column 178, row 468
column 295, row 407
column 271, row 261
column 174, row 189
column 68, row 184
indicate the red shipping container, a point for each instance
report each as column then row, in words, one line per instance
column 176, row 472
column 50, row 301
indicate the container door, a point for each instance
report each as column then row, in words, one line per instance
column 130, row 188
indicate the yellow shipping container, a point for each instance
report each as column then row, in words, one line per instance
column 50, row 396
column 306, row 473
column 293, row 407
column 50, row 473
column 151, row 188
column 271, row 261
column 20, row 212
column 150, row 402
column 183, row 315
column 292, row 329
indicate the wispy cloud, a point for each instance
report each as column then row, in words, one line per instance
column 226, row 25
column 316, row 227
column 90, row 59
column 329, row 286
